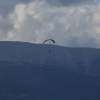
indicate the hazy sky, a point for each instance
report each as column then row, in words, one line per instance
column 73, row 23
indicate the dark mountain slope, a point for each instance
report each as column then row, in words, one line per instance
column 82, row 60
column 30, row 72
column 27, row 81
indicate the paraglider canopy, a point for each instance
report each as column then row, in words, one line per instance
column 49, row 40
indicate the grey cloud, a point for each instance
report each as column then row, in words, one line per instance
column 7, row 6
column 83, row 41
column 5, row 27
column 70, row 2
column 67, row 2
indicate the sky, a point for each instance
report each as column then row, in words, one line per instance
column 71, row 23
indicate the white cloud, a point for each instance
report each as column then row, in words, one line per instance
column 69, row 26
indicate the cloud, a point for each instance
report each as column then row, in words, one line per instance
column 74, row 26
column 7, row 6
column 5, row 27
column 70, row 2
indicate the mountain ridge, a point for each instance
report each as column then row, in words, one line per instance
column 77, row 59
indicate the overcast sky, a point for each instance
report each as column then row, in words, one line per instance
column 72, row 23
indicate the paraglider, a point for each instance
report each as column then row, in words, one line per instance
column 48, row 40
